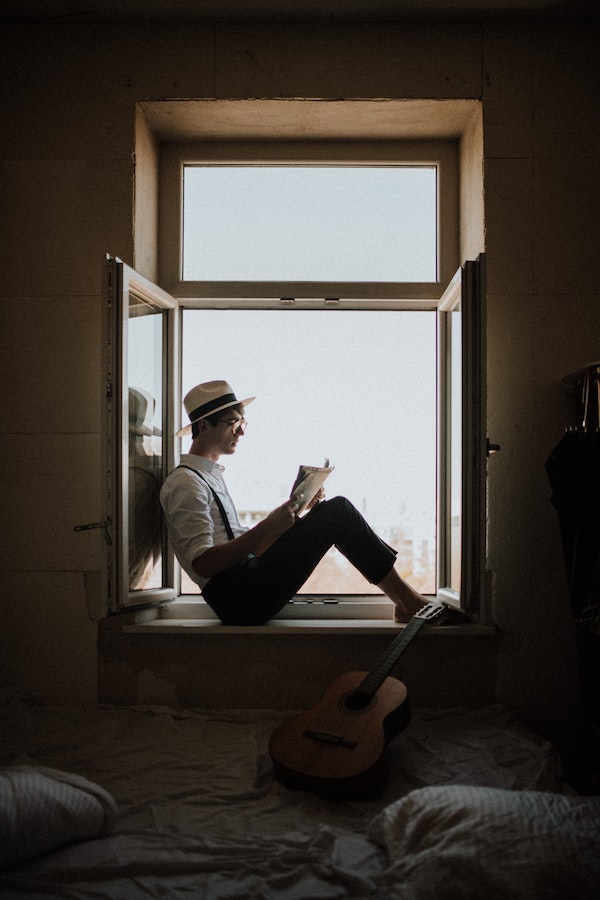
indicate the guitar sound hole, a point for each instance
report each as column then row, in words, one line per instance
column 357, row 700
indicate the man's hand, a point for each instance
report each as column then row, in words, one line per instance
column 320, row 495
column 282, row 517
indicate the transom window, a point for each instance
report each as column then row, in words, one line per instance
column 310, row 223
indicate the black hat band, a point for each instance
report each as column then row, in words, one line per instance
column 207, row 408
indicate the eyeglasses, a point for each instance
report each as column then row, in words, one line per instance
column 235, row 424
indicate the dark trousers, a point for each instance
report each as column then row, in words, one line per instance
column 254, row 591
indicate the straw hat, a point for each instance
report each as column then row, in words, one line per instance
column 206, row 399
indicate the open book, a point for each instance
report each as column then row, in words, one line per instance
column 308, row 481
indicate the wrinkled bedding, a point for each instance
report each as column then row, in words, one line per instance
column 42, row 808
column 490, row 842
column 201, row 815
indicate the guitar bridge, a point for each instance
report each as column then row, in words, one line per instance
column 329, row 737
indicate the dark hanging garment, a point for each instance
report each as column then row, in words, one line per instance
column 573, row 468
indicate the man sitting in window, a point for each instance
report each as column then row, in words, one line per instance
column 247, row 575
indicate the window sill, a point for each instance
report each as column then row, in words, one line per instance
column 297, row 627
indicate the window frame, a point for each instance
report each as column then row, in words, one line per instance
column 467, row 288
column 120, row 282
column 174, row 157
column 466, row 292
column 309, row 295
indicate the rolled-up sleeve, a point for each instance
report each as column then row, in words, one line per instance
column 186, row 501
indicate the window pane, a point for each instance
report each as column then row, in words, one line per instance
column 310, row 223
column 144, row 347
column 358, row 387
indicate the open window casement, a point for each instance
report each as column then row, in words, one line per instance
column 140, row 331
column 462, row 442
column 142, row 404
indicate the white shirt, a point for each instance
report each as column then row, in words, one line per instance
column 191, row 512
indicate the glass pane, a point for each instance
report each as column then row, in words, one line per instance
column 145, row 393
column 310, row 223
column 358, row 387
column 455, row 449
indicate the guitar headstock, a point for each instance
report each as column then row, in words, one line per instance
column 439, row 609
column 432, row 610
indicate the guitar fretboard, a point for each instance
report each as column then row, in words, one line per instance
column 386, row 662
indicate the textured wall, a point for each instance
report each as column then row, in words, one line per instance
column 67, row 171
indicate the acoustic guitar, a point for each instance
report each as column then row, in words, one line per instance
column 338, row 747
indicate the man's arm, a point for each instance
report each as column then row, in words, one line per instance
column 256, row 540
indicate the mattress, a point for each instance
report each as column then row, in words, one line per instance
column 198, row 811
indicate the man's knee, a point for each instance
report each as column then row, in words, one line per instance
column 334, row 511
column 340, row 505
column 337, row 502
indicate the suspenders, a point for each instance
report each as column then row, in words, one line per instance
column 218, row 501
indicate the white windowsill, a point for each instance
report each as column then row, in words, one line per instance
column 187, row 616
column 297, row 627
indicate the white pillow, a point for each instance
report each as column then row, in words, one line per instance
column 466, row 843
column 42, row 809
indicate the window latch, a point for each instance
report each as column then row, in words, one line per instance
column 103, row 526
column 491, row 448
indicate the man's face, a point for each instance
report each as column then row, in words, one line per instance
column 228, row 430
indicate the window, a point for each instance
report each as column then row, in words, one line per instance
column 263, row 223
column 356, row 386
column 392, row 405
column 138, row 325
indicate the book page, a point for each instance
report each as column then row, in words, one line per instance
column 308, row 481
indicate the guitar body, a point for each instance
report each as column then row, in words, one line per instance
column 337, row 748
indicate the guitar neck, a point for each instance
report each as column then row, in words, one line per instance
column 387, row 661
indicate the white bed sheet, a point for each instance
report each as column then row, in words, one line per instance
column 200, row 813
column 479, row 843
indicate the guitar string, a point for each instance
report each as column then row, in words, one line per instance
column 377, row 675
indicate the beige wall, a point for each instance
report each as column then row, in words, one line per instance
column 67, row 170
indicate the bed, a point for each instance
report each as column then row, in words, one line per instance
column 149, row 802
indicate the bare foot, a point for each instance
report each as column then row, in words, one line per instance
column 400, row 616
column 411, row 605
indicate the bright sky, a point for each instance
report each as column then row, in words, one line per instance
column 356, row 387
column 309, row 223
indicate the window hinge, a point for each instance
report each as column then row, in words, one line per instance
column 103, row 526
column 287, row 301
